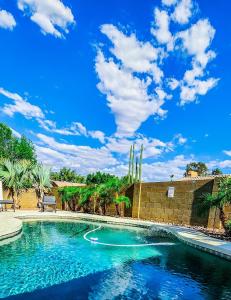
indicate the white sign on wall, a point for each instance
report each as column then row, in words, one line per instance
column 171, row 191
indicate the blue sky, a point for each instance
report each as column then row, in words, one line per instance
column 84, row 79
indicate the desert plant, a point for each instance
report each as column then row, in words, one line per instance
column 70, row 195
column 123, row 199
column 86, row 196
column 15, row 177
column 220, row 198
column 41, row 180
column 228, row 226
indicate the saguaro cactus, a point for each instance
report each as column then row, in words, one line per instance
column 140, row 162
column 129, row 166
column 132, row 161
column 136, row 174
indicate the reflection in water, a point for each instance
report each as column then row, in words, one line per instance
column 55, row 253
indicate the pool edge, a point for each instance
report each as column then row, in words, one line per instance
column 188, row 236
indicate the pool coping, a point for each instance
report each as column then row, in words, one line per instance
column 11, row 226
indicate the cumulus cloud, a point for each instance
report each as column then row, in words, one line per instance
column 198, row 87
column 183, row 12
column 20, row 105
column 197, row 39
column 7, row 21
column 152, row 147
column 131, row 72
column 85, row 157
column 157, row 171
column 227, row 152
column 169, row 2
column 52, row 16
column 135, row 55
column 161, row 29
column 127, row 95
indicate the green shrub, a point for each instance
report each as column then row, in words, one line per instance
column 228, row 226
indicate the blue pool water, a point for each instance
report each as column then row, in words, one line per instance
column 52, row 260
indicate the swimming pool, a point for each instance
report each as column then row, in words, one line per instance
column 80, row 260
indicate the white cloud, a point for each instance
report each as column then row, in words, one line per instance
column 197, row 39
column 173, row 83
column 52, row 16
column 198, row 87
column 7, row 21
column 135, row 55
column 158, row 171
column 16, row 133
column 161, row 30
column 75, row 128
column 84, row 158
column 190, row 75
column 127, row 95
column 183, row 12
column 97, row 134
column 152, row 147
column 169, row 2
column 180, row 139
column 20, row 105
column 28, row 110
column 225, row 164
column 132, row 76
column 227, row 152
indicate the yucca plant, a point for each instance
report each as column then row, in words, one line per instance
column 15, row 177
column 41, row 180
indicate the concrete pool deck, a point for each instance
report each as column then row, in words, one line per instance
column 11, row 226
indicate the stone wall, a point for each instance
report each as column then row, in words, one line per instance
column 183, row 208
column 28, row 199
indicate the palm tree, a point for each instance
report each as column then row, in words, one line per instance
column 123, row 199
column 220, row 199
column 41, row 180
column 15, row 177
column 70, row 195
column 115, row 186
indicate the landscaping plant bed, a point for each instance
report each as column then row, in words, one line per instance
column 214, row 234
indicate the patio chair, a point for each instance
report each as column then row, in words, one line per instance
column 48, row 201
column 5, row 202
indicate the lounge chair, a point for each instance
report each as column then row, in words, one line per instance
column 5, row 202
column 48, row 200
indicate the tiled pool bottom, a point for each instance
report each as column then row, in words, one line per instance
column 52, row 260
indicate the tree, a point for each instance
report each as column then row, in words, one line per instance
column 219, row 199
column 198, row 167
column 123, row 199
column 5, row 140
column 86, row 196
column 14, row 148
column 15, row 177
column 70, row 195
column 113, row 188
column 217, row 171
column 23, row 149
column 98, row 178
column 67, row 174
column 41, row 180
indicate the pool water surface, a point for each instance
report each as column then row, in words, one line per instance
column 53, row 260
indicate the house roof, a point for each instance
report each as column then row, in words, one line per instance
column 206, row 177
column 66, row 183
